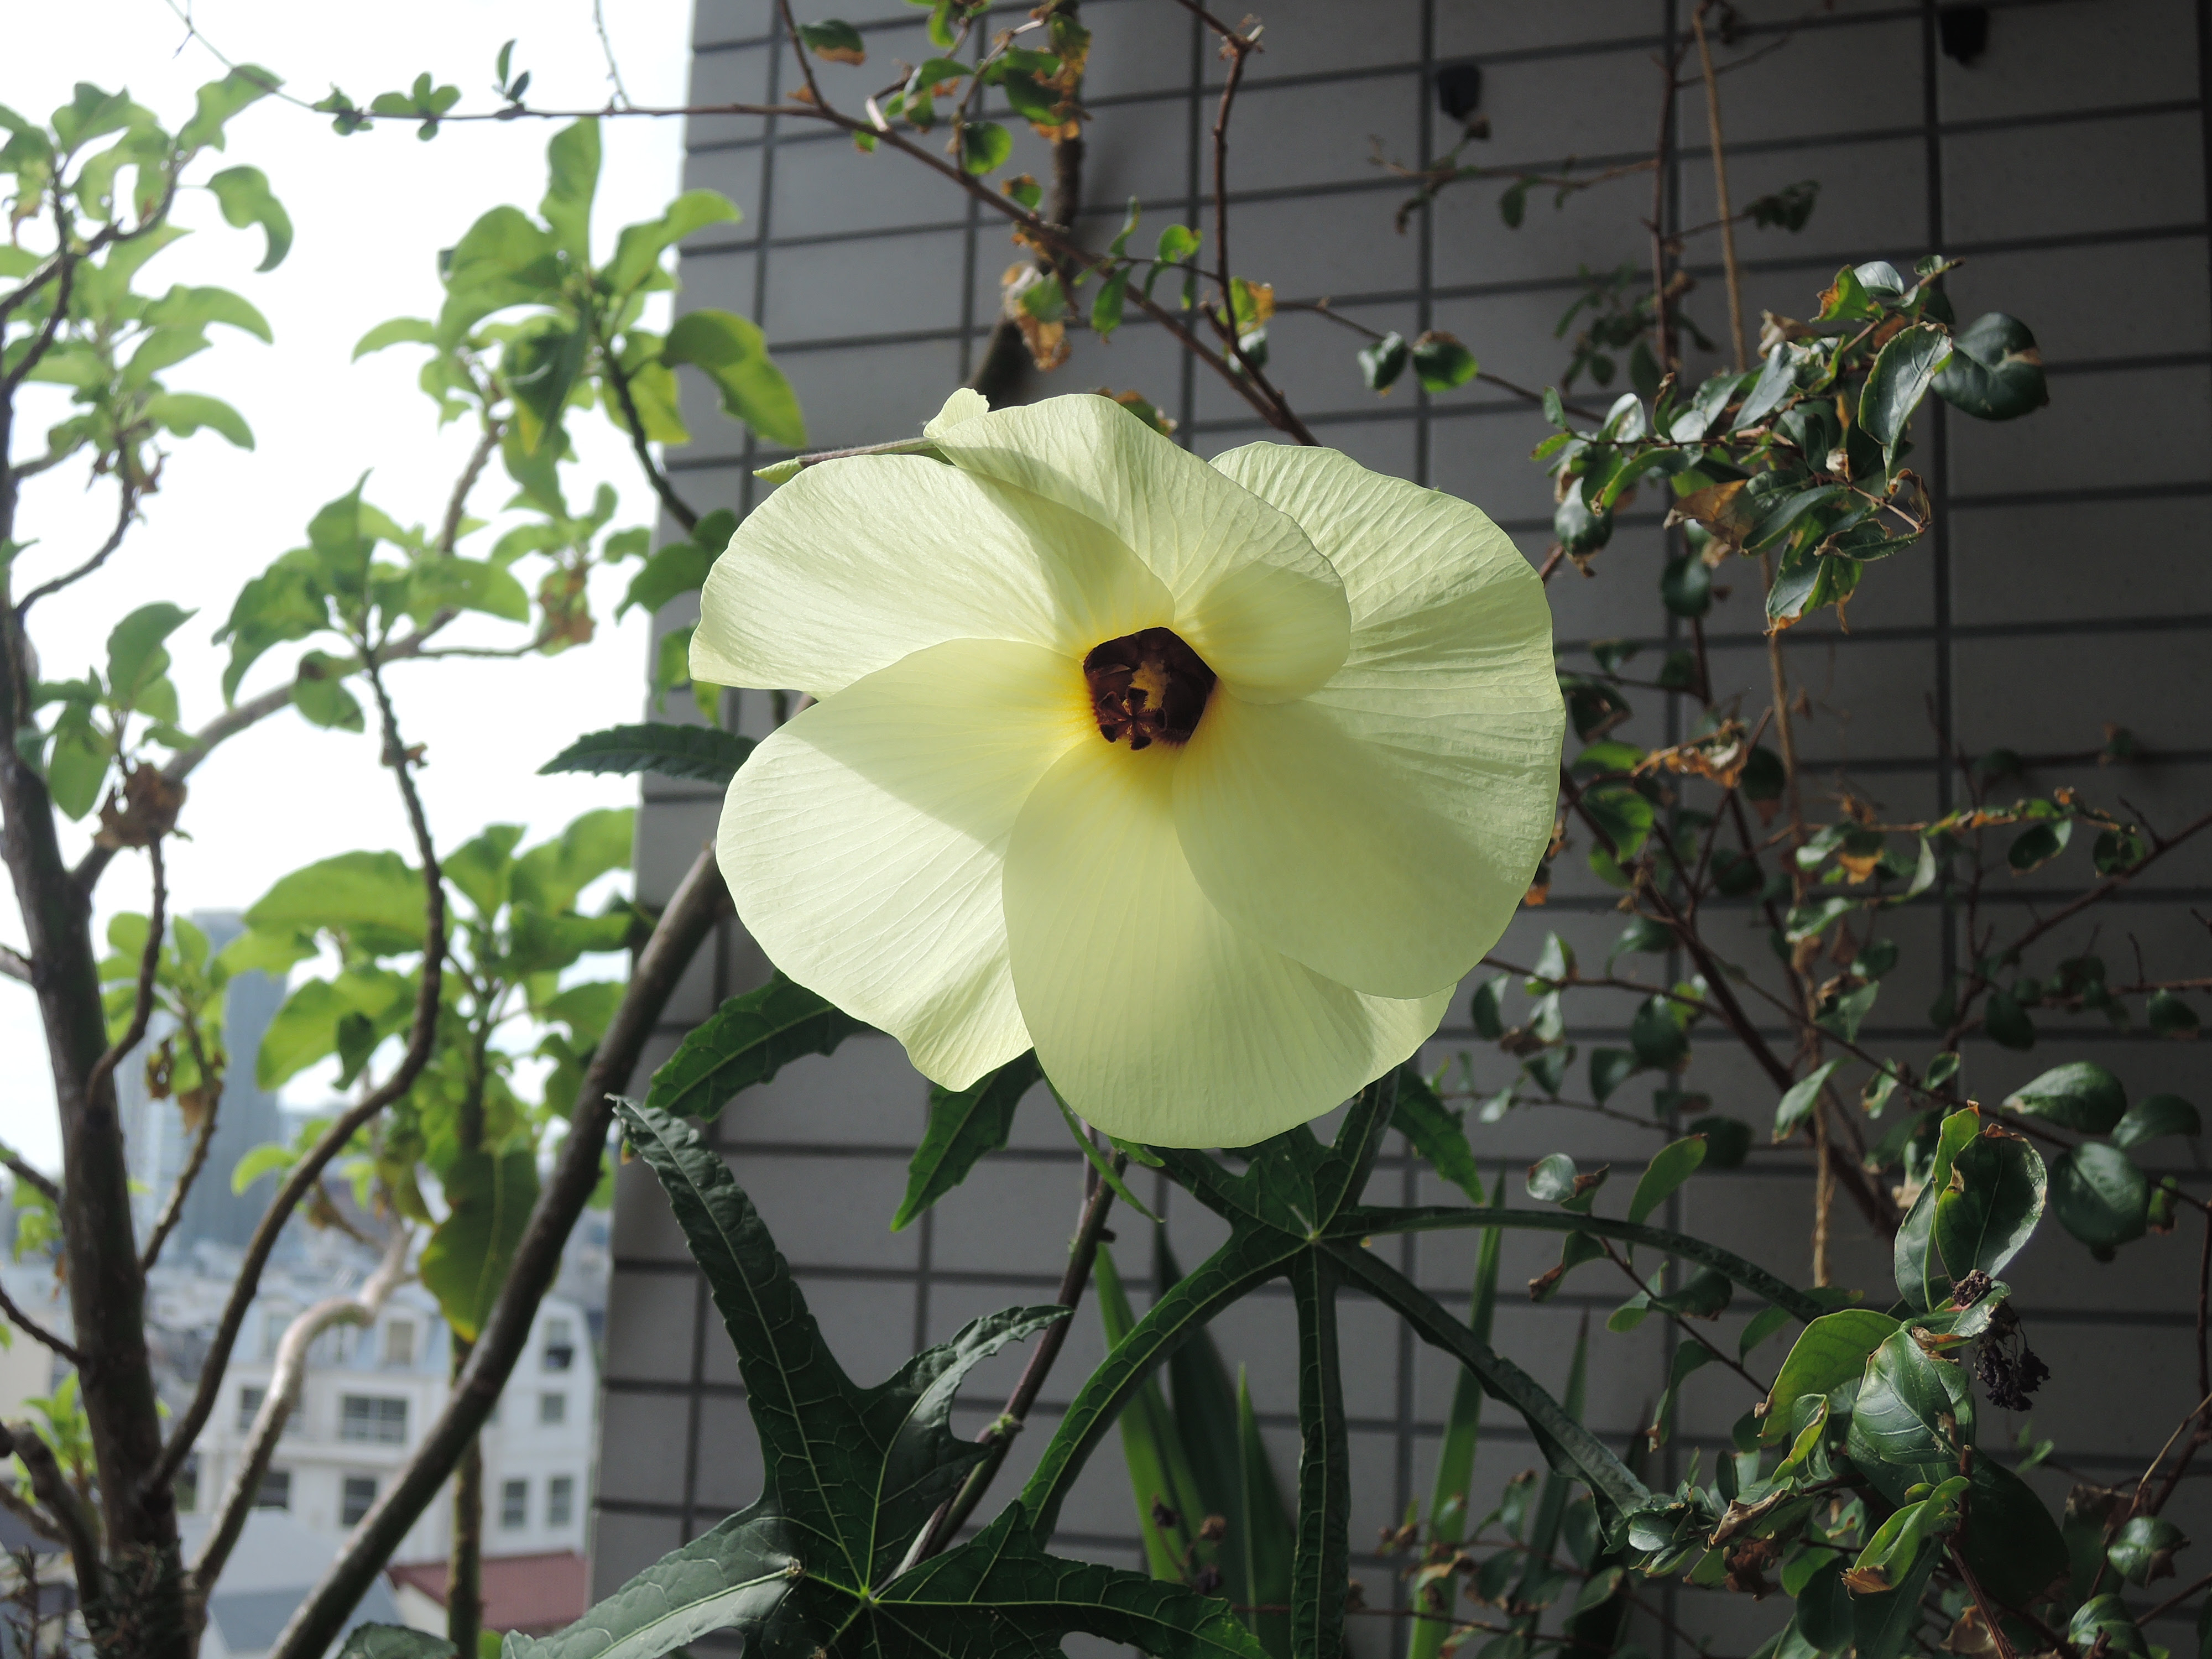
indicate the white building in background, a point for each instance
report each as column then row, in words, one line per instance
column 370, row 1395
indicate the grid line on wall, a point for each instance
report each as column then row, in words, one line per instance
column 1428, row 438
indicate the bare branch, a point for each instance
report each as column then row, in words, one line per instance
column 16, row 965
column 150, row 961
column 80, row 1530
column 700, row 901
column 805, row 64
column 31, row 1328
column 129, row 492
column 30, row 1513
column 449, row 532
column 37, row 1180
column 174, row 1211
column 361, row 1308
column 307, row 1174
column 679, row 509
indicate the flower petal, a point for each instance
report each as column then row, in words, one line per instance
column 864, row 841
column 1386, row 859
column 1252, row 595
column 1442, row 601
column 1385, row 831
column 1155, row 1018
column 854, row 563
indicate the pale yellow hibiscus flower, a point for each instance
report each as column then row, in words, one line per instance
column 1209, row 781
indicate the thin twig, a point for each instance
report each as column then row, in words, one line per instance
column 283, row 1395
column 80, row 1528
column 150, row 961
column 449, row 532
column 1687, row 1329
column 607, row 47
column 1083, row 1253
column 2174, row 1601
column 16, row 965
column 31, row 1328
column 36, row 1179
column 174, row 1211
column 308, row 1173
column 130, row 493
column 1735, row 276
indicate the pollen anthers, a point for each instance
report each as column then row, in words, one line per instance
column 1147, row 687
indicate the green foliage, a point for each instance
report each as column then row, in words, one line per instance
column 963, row 1125
column 746, row 1041
column 704, row 754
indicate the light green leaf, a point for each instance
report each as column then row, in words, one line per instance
column 245, row 199
column 732, row 353
column 488, row 1197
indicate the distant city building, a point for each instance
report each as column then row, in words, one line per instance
column 370, row 1394
column 155, row 1139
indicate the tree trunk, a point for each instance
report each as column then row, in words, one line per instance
column 141, row 1614
column 464, row 1564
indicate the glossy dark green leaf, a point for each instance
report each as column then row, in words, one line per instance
column 1441, row 363
column 963, row 1125
column 985, row 146
column 2100, row 1195
column 1996, row 372
column 1912, row 1414
column 1382, row 362
column 1435, row 1132
column 2006, row 1023
column 1917, row 1268
column 2104, row 1622
column 1899, row 380
column 1672, row 1165
column 2079, row 1095
column 1608, row 1069
column 1767, row 391
column 1986, row 1213
column 1882, row 1625
column 704, row 753
column 746, row 1041
column 835, row 41
column 1264, row 1536
column 1656, row 1034
column 1831, row 1351
column 2170, row 1017
column 2155, row 1115
column 2009, row 1537
column 858, row 1471
column 2143, row 1548
column 1727, row 1140
column 1685, row 586
column 1320, row 1568
column 1800, row 1100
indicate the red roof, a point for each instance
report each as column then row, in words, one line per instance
column 532, row 1593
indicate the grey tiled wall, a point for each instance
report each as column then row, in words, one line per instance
column 2067, row 584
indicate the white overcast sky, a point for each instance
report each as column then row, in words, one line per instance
column 370, row 213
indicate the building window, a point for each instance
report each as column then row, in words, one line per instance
column 552, row 1408
column 187, row 1487
column 356, row 1495
column 399, row 1343
column 513, row 1504
column 249, row 1406
column 560, row 1500
column 560, row 1350
column 376, row 1418
column 276, row 1491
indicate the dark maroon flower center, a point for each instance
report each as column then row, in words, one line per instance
column 1148, row 687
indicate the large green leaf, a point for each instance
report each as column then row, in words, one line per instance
column 857, row 1472
column 1321, row 1570
column 2100, row 1195
column 1913, row 1260
column 572, row 169
column 1912, row 1416
column 747, row 1041
column 2083, row 1095
column 1829, row 1352
column 2009, row 1537
column 1996, row 372
column 346, row 893
column 1435, row 1132
column 1169, row 1506
column 1899, row 380
column 701, row 752
column 1264, row 1539
column 638, row 248
column 1448, row 1502
column 1988, row 1214
column 732, row 353
column 488, row 1197
column 963, row 1125
column 852, row 1476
